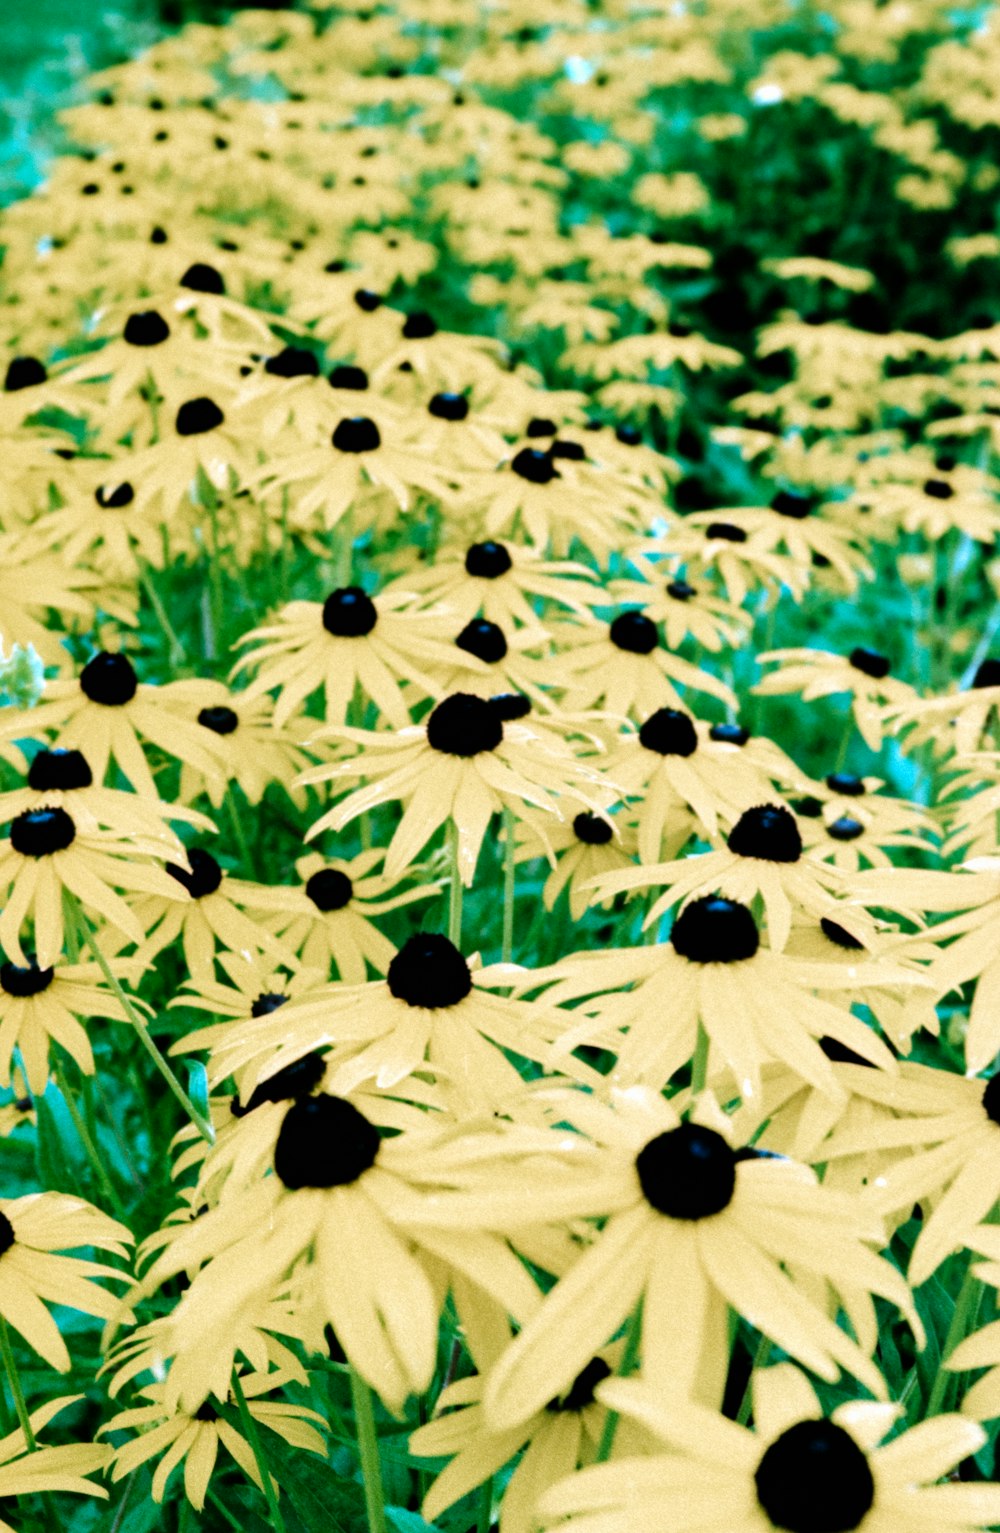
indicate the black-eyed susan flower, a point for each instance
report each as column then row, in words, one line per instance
column 863, row 673
column 27, row 1469
column 503, row 582
column 41, row 1007
column 252, row 750
column 586, row 847
column 627, row 667
column 798, row 1470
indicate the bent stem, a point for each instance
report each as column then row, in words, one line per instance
column 455, row 889
column 201, row 1123
column 260, row 1459
column 371, row 1466
column 628, row 1362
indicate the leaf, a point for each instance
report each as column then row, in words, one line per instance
column 405, row 1521
column 320, row 1497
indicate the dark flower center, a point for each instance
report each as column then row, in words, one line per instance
column 634, row 632
column 510, row 706
column 791, row 503
column 680, row 590
column 266, row 1002
column 592, row 830
column 324, row 1142
column 572, row 451
column 488, row 560
column 205, row 875
column 358, row 434
column 220, row 720
column 769, row 832
column 292, row 362
column 296, row 1080
column 870, row 662
column 147, row 328
column 349, row 613
column 449, row 407
column 581, row 1392
column 206, row 1412
column 109, row 679
column 938, row 489
column 429, row 971
column 7, row 1236
column 41, row 832
column 24, row 982
column 367, row 301
column 60, row 770
column 687, row 1173
column 729, row 734
column 726, row 531
column 840, row 1054
column 991, row 1098
column 419, row 326
column 629, row 436
column 845, row 829
column 715, row 930
column 534, row 466
column 987, row 674
column 836, row 933
column 329, row 889
column 540, row 425
column 202, row 278
column 196, row 416
column 484, row 640
column 809, row 808
column 464, row 725
column 114, row 499
column 23, row 373
column 846, row 784
column 669, row 732
column 346, row 376
column 815, row 1479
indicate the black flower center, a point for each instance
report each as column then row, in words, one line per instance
column 726, row 531
column 202, row 278
column 769, row 832
column 987, row 674
column 687, row 1173
column 592, row 830
column 292, row 362
column 836, row 934
column 715, row 930
column 464, row 725
column 510, row 706
column 572, row 451
column 792, row 503
column 449, row 407
column 349, row 613
column 41, row 832
column 488, row 560
column 534, row 466
column 324, row 1142
column 205, row 875
column 845, row 829
column 196, row 416
column 206, row 1412
column 220, row 719
column 629, row 436
column 329, row 889
column 23, row 373
column 296, row 1080
column 991, row 1098
column 809, row 808
column 870, row 662
column 114, row 499
column 147, row 328
column 367, row 301
column 846, row 784
column 840, row 1054
column 938, row 489
column 347, row 376
column 680, row 590
column 266, row 1002
column 634, row 632
column 7, row 1236
column 540, row 425
column 59, row 770
column 429, row 971
column 419, row 326
column 484, row 640
column 669, row 732
column 109, row 679
column 357, row 434
column 729, row 734
column 815, row 1479
column 581, row 1392
column 24, row 981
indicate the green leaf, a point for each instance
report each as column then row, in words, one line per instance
column 321, row 1498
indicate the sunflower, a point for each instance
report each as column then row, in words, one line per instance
column 27, row 1470
column 797, row 1470
column 352, row 640
column 32, row 1229
column 627, row 666
column 193, row 1439
column 469, row 760
column 864, row 673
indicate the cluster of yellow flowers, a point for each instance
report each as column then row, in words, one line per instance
column 521, row 649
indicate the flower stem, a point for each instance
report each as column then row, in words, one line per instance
column 86, row 1139
column 628, row 1362
column 760, row 1357
column 14, row 1380
column 485, row 1519
column 455, row 889
column 201, row 1124
column 371, row 1467
column 239, row 831
column 257, row 1449
column 507, row 947
column 965, row 1306
column 176, row 647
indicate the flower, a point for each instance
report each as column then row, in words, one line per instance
column 864, row 673
column 500, row 581
column 39, row 1007
column 26, row 1471
column 590, row 845
column 627, row 667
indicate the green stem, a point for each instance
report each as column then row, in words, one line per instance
column 371, row 1467
column 759, row 1359
column 90, row 1148
column 965, row 1304
column 484, row 1521
column 257, row 1449
column 177, row 654
column 628, row 1362
column 201, row 1124
column 239, row 831
column 845, row 740
column 509, row 845
column 224, row 1511
column 14, row 1380
column 345, row 550
column 699, row 1064
column 455, row 889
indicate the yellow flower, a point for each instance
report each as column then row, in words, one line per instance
column 627, row 667
column 39, row 1007
column 28, row 1472
column 813, row 673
